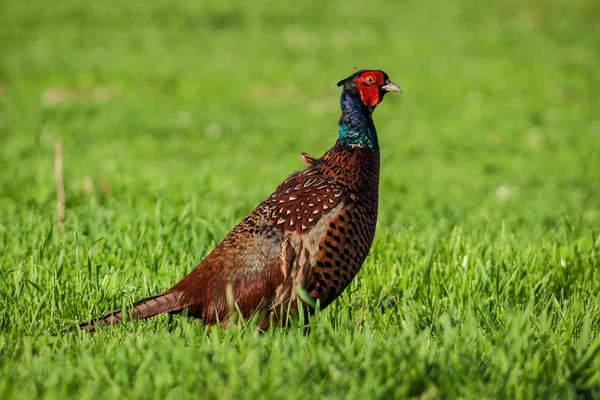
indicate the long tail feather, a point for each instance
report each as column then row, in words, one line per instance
column 167, row 302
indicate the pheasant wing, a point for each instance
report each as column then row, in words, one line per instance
column 269, row 253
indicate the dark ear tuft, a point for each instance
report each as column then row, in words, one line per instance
column 353, row 76
column 340, row 83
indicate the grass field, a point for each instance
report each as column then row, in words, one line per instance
column 178, row 118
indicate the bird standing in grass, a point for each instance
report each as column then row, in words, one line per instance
column 303, row 245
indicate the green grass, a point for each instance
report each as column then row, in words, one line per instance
column 179, row 117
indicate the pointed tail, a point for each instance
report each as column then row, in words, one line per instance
column 167, row 302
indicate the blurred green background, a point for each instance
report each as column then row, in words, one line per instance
column 498, row 121
column 179, row 117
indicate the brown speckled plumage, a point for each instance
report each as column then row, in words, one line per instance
column 310, row 236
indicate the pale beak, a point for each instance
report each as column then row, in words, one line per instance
column 391, row 87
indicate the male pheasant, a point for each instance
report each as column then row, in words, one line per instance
column 303, row 244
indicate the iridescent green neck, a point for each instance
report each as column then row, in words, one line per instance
column 356, row 125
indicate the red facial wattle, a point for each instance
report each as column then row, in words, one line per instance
column 369, row 84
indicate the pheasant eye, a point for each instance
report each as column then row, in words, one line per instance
column 369, row 80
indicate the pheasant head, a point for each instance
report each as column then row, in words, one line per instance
column 369, row 85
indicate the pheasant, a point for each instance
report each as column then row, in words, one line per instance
column 300, row 247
